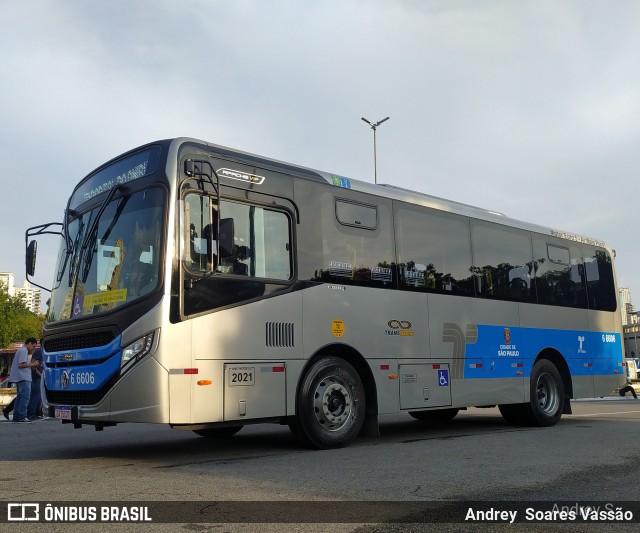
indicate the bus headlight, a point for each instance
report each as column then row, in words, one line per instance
column 135, row 351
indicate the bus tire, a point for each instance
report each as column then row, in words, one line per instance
column 546, row 399
column 330, row 405
column 547, row 394
column 224, row 432
column 438, row 416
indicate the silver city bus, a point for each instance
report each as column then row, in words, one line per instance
column 208, row 288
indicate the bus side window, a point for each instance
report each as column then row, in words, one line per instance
column 504, row 257
column 600, row 285
column 559, row 272
column 254, row 241
column 433, row 251
column 357, row 241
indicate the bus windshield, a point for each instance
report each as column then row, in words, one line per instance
column 112, row 260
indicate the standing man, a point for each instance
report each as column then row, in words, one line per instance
column 21, row 376
column 34, row 411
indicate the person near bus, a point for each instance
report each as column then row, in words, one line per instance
column 21, row 375
column 34, row 411
column 628, row 388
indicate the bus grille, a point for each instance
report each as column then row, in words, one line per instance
column 279, row 335
column 90, row 339
column 81, row 397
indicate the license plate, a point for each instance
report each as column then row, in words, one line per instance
column 241, row 375
column 63, row 412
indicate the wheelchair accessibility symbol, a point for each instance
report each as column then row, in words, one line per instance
column 443, row 378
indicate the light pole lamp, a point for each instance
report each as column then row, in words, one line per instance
column 373, row 127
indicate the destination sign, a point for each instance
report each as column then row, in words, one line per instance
column 124, row 171
column 577, row 238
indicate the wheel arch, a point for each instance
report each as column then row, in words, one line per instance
column 555, row 357
column 359, row 363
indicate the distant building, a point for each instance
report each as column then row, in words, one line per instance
column 7, row 280
column 626, row 307
column 630, row 324
column 31, row 297
column 631, row 340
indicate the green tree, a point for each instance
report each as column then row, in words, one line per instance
column 17, row 322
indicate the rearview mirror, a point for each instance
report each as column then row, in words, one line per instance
column 30, row 261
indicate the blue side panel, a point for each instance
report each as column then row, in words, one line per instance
column 501, row 352
column 82, row 370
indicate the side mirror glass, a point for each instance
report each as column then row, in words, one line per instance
column 30, row 262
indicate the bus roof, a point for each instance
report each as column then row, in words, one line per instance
column 393, row 192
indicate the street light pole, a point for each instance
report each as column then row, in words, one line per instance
column 374, row 127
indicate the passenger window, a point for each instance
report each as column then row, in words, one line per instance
column 357, row 242
column 502, row 262
column 559, row 273
column 600, row 285
column 434, row 253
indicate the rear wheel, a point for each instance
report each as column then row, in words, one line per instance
column 439, row 416
column 218, row 433
column 546, row 398
column 330, row 405
column 547, row 393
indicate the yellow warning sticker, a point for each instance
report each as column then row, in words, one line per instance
column 108, row 297
column 337, row 328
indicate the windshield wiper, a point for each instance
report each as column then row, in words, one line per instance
column 74, row 249
column 68, row 213
column 86, row 251
column 123, row 202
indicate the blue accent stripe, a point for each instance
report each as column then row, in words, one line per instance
column 498, row 349
column 87, row 369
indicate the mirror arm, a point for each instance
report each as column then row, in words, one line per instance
column 42, row 229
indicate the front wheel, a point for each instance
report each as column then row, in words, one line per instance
column 330, row 405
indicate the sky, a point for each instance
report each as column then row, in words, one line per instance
column 530, row 108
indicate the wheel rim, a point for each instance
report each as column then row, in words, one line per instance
column 333, row 404
column 547, row 393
